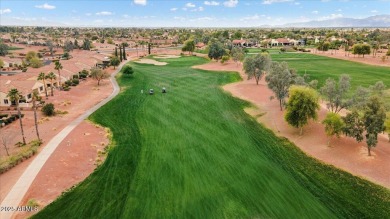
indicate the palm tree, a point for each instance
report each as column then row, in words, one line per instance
column 35, row 97
column 52, row 77
column 58, row 67
column 42, row 77
column 14, row 96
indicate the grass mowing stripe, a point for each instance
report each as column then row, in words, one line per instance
column 194, row 153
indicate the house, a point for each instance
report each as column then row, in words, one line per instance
column 200, row 45
column 25, row 87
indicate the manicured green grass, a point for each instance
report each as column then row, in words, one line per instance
column 322, row 68
column 194, row 153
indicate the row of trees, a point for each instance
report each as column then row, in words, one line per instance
column 365, row 121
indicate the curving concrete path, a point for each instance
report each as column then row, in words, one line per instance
column 18, row 191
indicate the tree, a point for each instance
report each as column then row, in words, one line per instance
column 387, row 125
column 301, row 106
column 256, row 66
column 189, row 46
column 361, row 49
column 3, row 48
column 237, row 54
column 216, row 50
column 336, row 93
column 279, row 80
column 360, row 97
column 86, row 44
column 225, row 58
column 30, row 55
column 58, row 67
column 1, row 63
column 374, row 119
column 333, row 125
column 42, row 77
column 378, row 88
column 124, row 53
column 35, row 97
column 50, row 46
column 98, row 74
column 354, row 125
column 51, row 76
column 68, row 46
column 128, row 70
column 114, row 60
column 35, row 62
column 14, row 95
column 120, row 54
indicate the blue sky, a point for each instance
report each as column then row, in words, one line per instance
column 183, row 13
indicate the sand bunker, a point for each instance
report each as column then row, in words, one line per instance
column 150, row 61
column 166, row 57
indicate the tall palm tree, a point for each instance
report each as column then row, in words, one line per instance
column 51, row 76
column 58, row 67
column 35, row 97
column 14, row 96
column 42, row 77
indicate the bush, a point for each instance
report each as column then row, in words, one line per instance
column 24, row 69
column 75, row 76
column 66, row 88
column 224, row 59
column 75, row 81
column 48, row 109
column 68, row 83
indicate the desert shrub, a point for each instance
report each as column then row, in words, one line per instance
column 66, row 88
column 48, row 109
column 75, row 81
column 24, row 69
column 68, row 83
column 224, row 59
column 75, row 76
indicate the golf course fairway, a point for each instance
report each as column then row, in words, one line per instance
column 194, row 153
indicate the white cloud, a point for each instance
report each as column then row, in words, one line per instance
column 104, row 13
column 46, row 6
column 230, row 3
column 5, row 11
column 203, row 19
column 190, row 5
column 374, row 11
column 173, row 9
column 179, row 18
column 325, row 0
column 297, row 3
column 88, row 14
column 198, row 9
column 254, row 17
column 332, row 16
column 211, row 3
column 140, row 2
column 314, row 12
column 339, row 10
column 268, row 2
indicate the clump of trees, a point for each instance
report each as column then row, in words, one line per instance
column 215, row 49
column 189, row 46
column 336, row 93
column 361, row 49
column 334, row 125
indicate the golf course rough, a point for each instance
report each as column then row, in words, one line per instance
column 194, row 153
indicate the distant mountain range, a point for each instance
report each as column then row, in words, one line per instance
column 373, row 21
